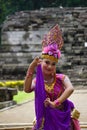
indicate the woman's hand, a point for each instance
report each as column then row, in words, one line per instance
column 50, row 103
column 35, row 62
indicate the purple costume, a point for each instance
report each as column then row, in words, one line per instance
column 48, row 118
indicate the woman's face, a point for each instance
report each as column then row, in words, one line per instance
column 48, row 66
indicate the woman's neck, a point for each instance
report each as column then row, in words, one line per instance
column 48, row 79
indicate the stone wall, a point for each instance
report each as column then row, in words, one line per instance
column 21, row 41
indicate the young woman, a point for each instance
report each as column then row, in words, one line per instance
column 52, row 107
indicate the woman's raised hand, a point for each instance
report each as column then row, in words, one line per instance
column 35, row 62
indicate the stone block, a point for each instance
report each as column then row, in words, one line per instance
column 6, row 94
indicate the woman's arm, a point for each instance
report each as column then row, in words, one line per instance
column 68, row 89
column 29, row 75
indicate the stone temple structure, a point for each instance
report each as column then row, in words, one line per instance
column 23, row 31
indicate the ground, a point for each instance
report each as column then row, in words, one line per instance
column 24, row 113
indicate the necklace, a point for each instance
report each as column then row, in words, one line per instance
column 49, row 87
column 49, row 81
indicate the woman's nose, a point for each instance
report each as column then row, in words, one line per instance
column 50, row 66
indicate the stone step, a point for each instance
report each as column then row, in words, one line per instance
column 18, row 58
column 19, row 54
column 7, row 104
column 16, row 126
column 20, row 48
column 28, row 126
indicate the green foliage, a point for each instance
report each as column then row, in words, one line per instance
column 8, row 7
column 4, row 9
column 12, row 84
column 19, row 83
column 2, row 84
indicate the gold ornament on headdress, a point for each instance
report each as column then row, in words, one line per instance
column 52, row 58
column 53, row 36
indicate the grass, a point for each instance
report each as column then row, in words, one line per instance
column 22, row 97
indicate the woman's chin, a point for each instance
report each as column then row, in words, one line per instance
column 47, row 73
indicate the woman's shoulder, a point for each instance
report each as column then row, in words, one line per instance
column 34, row 79
column 60, row 76
column 63, row 77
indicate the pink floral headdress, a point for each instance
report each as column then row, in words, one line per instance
column 52, row 44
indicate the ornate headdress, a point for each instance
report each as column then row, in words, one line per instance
column 52, row 44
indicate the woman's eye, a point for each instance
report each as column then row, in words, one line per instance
column 53, row 64
column 47, row 62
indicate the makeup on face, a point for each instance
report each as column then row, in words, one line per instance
column 49, row 62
